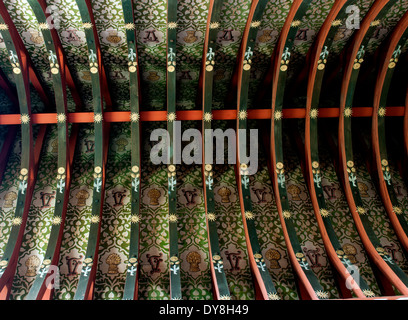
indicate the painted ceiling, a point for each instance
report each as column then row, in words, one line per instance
column 150, row 17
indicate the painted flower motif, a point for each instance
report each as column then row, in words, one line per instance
column 98, row 169
column 208, row 116
column 98, row 117
column 172, row 25
column 88, row 260
column 211, row 216
column 135, row 218
column 61, row 170
column 56, row 221
column 249, row 215
column 3, row 263
column 172, row 168
column 95, row 219
column 375, row 23
column 174, row 259
column 382, row 111
column 25, row 118
column 134, row 117
column 242, row 115
column 350, row 164
column 348, row 112
column 286, row 214
column 361, row 210
column 46, row 262
column 278, row 115
column 314, row 113
column 173, row 218
column 214, row 25
column 61, row 117
column 208, row 167
column 171, row 116
column 315, row 164
column 17, row 221
column 384, row 162
column 3, row 27
column 273, row 296
column 23, row 171
column 324, row 213
column 336, row 23
column 225, row 297
column 299, row 255
column 216, row 257
column 135, row 169
column 368, row 293
column 87, row 25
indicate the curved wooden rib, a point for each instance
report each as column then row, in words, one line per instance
column 219, row 280
column 132, row 273
column 319, row 55
column 262, row 277
column 307, row 279
column 175, row 268
column 87, row 278
column 19, row 65
column 371, row 243
column 396, row 214
column 57, row 68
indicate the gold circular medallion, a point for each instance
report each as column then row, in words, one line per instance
column 61, row 170
column 46, row 262
column 284, row 68
column 170, row 69
column 247, row 67
column 356, row 66
column 94, row 70
column 132, row 69
column 88, row 260
column 391, row 65
column 321, row 66
column 17, row 70
column 132, row 260
column 54, row 70
column 23, row 171
column 173, row 258
column 216, row 257
column 209, row 68
column 135, row 169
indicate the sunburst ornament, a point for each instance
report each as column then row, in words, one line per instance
column 348, row 112
column 87, row 25
column 171, row 117
column 61, row 117
column 322, row 294
column 255, row 24
column 135, row 218
column 173, row 218
column 242, row 115
column 324, row 213
column 211, row 216
column 214, row 25
column 56, row 221
column 249, row 215
column 25, row 118
column 273, row 296
column 314, row 113
column 382, row 111
column 295, row 23
column 225, row 297
column 278, row 115
column 98, row 117
column 129, row 26
column 43, row 26
column 16, row 221
column 134, row 117
column 368, row 293
column 361, row 210
column 375, row 23
column 208, row 117
column 3, row 27
column 397, row 210
column 95, row 219
column 172, row 25
column 286, row 214
column 336, row 23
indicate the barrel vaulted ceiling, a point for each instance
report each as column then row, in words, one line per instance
column 150, row 17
